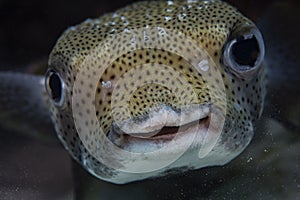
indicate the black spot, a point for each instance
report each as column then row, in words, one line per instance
column 112, row 77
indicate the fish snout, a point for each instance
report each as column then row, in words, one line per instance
column 163, row 120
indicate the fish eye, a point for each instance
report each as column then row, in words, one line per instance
column 245, row 52
column 54, row 86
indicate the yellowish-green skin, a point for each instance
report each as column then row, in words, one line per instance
column 209, row 23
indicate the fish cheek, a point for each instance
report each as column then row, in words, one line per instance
column 62, row 116
column 245, row 99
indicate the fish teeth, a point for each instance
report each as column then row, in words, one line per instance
column 162, row 116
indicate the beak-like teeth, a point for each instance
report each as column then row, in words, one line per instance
column 162, row 120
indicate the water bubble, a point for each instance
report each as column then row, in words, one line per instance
column 189, row 6
column 203, row 65
column 208, row 1
column 146, row 36
column 168, row 10
column 170, row 2
column 106, row 46
column 133, row 40
column 107, row 84
column 168, row 18
column 181, row 16
column 200, row 7
column 88, row 21
column 113, row 31
column 72, row 28
column 249, row 159
column 96, row 21
column 126, row 30
column 115, row 15
column 237, row 106
column 161, row 31
column 266, row 150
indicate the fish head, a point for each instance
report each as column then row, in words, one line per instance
column 157, row 87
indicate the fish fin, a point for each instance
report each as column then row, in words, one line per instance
column 23, row 105
column 280, row 30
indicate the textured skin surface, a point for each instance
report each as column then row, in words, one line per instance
column 209, row 23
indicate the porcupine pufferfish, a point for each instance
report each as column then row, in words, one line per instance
column 155, row 87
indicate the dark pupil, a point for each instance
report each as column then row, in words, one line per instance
column 55, row 86
column 245, row 51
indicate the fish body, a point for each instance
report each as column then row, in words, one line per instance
column 110, row 102
column 156, row 87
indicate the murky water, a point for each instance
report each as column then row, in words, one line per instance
column 35, row 169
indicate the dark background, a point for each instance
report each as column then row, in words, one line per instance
column 34, row 169
column 29, row 29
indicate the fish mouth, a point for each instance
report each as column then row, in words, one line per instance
column 161, row 126
column 168, row 132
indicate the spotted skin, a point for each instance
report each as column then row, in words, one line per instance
column 210, row 23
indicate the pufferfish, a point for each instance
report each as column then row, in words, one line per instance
column 155, row 87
